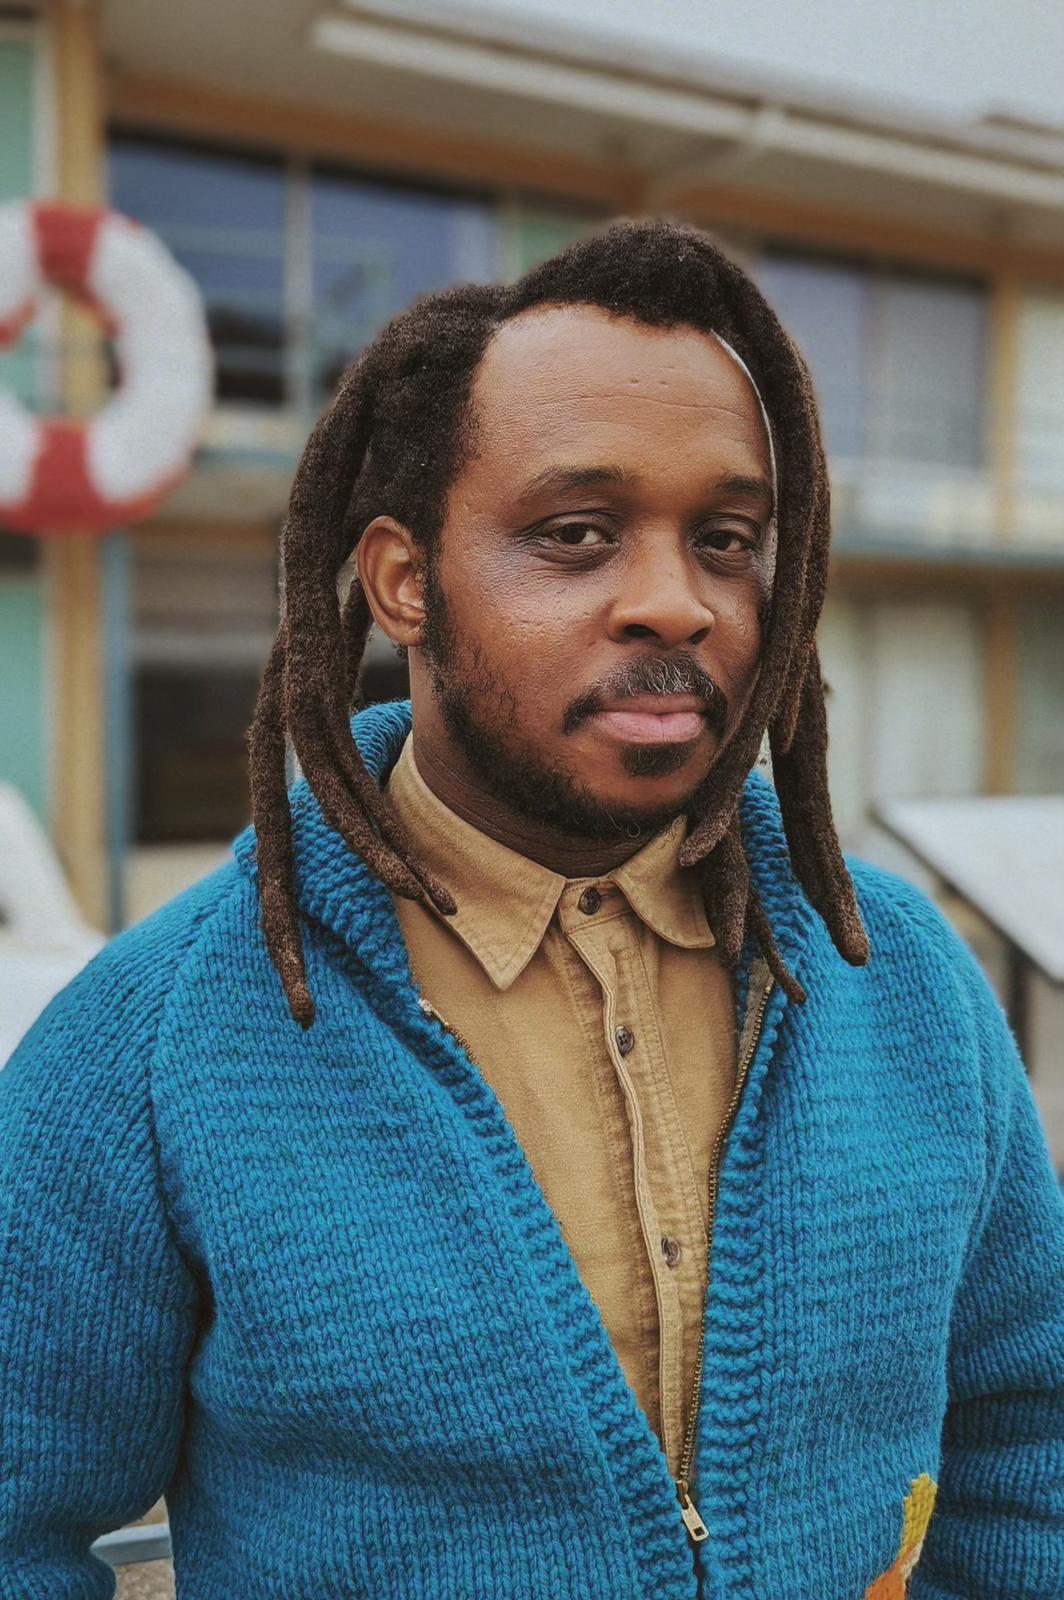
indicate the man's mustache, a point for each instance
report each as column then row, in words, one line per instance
column 652, row 675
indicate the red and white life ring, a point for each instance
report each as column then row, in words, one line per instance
column 59, row 474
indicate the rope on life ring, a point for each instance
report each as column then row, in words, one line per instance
column 60, row 474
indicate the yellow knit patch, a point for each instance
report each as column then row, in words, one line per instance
column 919, row 1504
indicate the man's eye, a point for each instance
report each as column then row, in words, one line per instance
column 577, row 535
column 728, row 540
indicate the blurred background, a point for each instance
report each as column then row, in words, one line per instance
column 892, row 177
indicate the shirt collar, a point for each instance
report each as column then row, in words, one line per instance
column 506, row 902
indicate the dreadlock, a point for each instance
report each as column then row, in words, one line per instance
column 395, row 437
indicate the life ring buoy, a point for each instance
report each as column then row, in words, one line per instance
column 58, row 474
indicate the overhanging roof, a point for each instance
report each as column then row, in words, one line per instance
column 676, row 120
column 1004, row 855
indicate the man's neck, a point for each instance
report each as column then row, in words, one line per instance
column 548, row 846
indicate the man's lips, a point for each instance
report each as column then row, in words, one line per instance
column 654, row 719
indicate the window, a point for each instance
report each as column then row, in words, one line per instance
column 531, row 233
column 223, row 217
column 1040, row 397
column 825, row 307
column 375, row 248
column 298, row 270
column 898, row 358
column 927, row 366
column 204, row 616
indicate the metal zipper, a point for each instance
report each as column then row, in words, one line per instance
column 688, row 1510
column 430, row 1011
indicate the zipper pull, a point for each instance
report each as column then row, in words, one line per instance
column 689, row 1512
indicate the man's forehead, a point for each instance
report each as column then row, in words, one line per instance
column 554, row 343
column 559, row 356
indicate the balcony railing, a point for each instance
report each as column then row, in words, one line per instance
column 283, row 330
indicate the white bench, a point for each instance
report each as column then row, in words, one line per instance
column 44, row 940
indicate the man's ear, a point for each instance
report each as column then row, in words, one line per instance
column 391, row 570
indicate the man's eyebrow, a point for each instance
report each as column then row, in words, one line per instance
column 556, row 480
column 757, row 487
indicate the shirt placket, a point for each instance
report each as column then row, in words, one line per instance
column 672, row 1219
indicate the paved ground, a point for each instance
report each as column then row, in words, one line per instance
column 154, row 1580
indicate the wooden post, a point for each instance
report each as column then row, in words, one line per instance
column 1001, row 670
column 1001, row 655
column 1004, row 397
column 72, row 561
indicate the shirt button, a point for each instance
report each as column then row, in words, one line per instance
column 670, row 1249
column 589, row 902
column 625, row 1040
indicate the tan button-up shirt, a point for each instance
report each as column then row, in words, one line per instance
column 602, row 1016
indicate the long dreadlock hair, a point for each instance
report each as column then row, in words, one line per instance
column 393, row 440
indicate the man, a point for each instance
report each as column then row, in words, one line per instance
column 539, row 1166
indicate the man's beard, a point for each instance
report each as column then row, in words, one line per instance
column 521, row 780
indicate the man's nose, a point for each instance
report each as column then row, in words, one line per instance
column 661, row 596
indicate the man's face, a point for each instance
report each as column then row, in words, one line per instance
column 595, row 602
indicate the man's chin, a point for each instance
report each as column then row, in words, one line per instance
column 656, row 762
column 639, row 803
column 593, row 808
column 581, row 790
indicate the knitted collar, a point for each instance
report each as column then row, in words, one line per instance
column 336, row 889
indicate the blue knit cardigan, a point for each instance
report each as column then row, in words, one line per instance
column 307, row 1286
